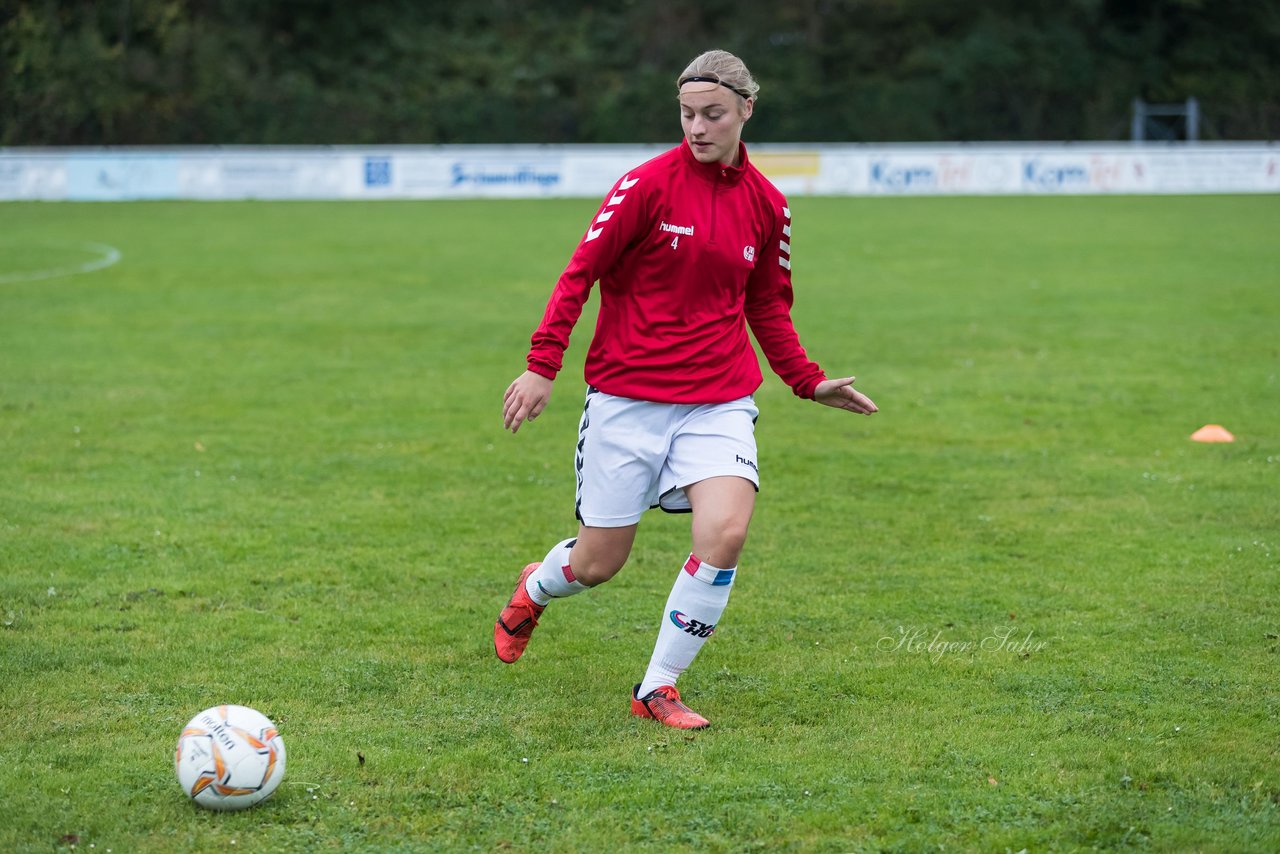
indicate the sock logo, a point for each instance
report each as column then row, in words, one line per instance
column 697, row 628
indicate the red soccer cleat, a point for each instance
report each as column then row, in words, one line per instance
column 517, row 621
column 664, row 706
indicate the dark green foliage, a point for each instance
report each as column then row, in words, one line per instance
column 498, row 71
column 137, row 72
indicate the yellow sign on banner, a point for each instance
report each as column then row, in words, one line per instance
column 791, row 164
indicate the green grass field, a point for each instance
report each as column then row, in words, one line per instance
column 260, row 460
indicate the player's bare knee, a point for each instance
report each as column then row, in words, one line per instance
column 598, row 566
column 722, row 545
column 600, row 553
column 597, row 572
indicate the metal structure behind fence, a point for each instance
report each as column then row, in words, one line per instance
column 1160, row 122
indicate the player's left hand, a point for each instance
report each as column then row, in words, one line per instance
column 842, row 395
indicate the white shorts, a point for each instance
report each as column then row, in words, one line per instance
column 634, row 455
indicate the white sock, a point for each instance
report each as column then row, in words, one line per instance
column 694, row 607
column 554, row 579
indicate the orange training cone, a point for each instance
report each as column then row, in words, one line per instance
column 1212, row 433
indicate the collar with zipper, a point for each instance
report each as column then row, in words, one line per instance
column 717, row 171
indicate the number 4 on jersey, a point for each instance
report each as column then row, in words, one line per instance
column 675, row 241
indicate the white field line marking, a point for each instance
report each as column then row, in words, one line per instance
column 107, row 255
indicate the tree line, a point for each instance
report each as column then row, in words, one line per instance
column 160, row 72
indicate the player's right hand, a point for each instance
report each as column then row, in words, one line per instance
column 525, row 399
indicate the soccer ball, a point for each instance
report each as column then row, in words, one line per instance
column 229, row 758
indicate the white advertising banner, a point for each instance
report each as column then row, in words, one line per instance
column 26, row 177
column 439, row 172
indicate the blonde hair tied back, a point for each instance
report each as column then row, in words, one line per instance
column 725, row 68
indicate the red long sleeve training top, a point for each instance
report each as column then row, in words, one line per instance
column 688, row 254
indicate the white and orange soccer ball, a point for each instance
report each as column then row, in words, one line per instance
column 229, row 758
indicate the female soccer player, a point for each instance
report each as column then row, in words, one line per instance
column 690, row 249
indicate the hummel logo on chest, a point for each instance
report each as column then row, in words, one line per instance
column 686, row 230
